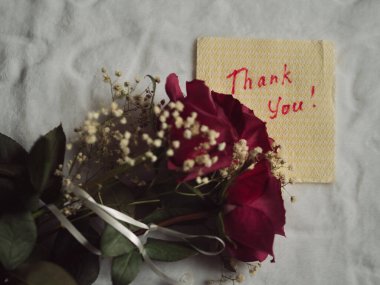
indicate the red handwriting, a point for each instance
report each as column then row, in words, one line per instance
column 262, row 81
column 241, row 77
column 285, row 108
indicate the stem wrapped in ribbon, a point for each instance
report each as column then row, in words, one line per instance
column 113, row 218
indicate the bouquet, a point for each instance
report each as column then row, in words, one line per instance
column 142, row 181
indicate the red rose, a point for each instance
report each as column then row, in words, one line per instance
column 254, row 213
column 221, row 113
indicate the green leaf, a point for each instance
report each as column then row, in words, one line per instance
column 17, row 238
column 168, row 251
column 44, row 157
column 16, row 193
column 118, row 196
column 43, row 273
column 11, row 151
column 113, row 243
column 160, row 215
column 11, row 170
column 182, row 201
column 74, row 257
column 125, row 268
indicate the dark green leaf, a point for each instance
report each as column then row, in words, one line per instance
column 182, row 201
column 17, row 238
column 43, row 273
column 118, row 196
column 11, row 151
column 74, row 257
column 168, row 251
column 113, row 243
column 11, row 170
column 44, row 157
column 125, row 268
column 160, row 215
column 16, row 193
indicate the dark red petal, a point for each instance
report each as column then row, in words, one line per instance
column 199, row 95
column 251, row 228
column 172, row 87
column 249, row 185
column 248, row 126
column 272, row 205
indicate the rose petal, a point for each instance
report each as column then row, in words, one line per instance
column 248, row 126
column 172, row 87
column 272, row 204
column 199, row 95
column 251, row 228
column 249, row 185
column 245, row 253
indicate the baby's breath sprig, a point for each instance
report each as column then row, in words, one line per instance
column 112, row 138
column 278, row 165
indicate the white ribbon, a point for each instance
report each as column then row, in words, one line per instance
column 112, row 217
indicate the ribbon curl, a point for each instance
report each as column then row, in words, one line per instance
column 112, row 217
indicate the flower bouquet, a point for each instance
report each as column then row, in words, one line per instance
column 142, row 181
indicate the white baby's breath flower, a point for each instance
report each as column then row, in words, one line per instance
column 240, row 278
column 104, row 111
column 156, row 110
column 175, row 114
column 124, row 142
column 164, row 126
column 114, row 106
column 176, row 144
column 178, row 122
column 179, row 106
column 188, row 164
column 171, row 105
column 161, row 134
column 157, row 142
column 187, row 134
column 127, row 135
column 129, row 161
column 117, row 113
column 90, row 139
column 205, row 180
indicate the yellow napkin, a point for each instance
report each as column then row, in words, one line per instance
column 290, row 85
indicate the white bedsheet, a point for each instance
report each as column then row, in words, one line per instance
column 51, row 52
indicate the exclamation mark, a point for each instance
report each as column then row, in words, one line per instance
column 312, row 94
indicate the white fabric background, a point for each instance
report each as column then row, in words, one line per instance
column 51, row 53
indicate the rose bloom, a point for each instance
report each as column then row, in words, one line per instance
column 222, row 113
column 254, row 213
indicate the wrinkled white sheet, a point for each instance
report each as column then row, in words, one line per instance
column 51, row 52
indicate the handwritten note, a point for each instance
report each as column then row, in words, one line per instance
column 290, row 85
